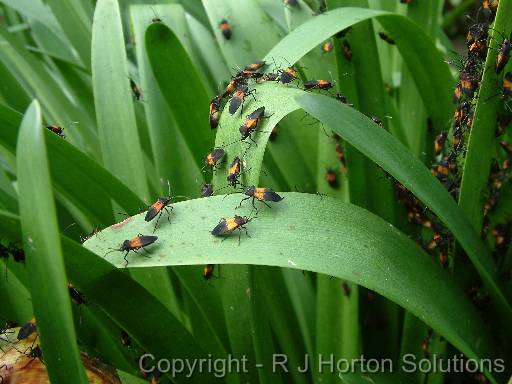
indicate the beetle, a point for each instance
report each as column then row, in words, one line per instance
column 215, row 111
column 11, row 250
column 346, row 289
column 239, row 97
column 4, row 251
column 77, row 296
column 57, row 129
column 206, row 190
column 234, row 172
column 227, row 226
column 261, row 194
column 27, row 329
column 437, row 240
column 490, row 7
column 503, row 55
column 327, row 46
column 158, row 208
column 246, row 74
column 137, row 93
column 208, row 271
column 343, row 99
column 502, row 124
column 478, row 31
column 500, row 233
column 234, row 83
column 491, row 201
column 251, row 123
column 138, row 242
column 225, row 28
column 386, row 38
column 341, row 34
column 213, row 157
column 255, row 66
column 425, row 344
column 288, row 74
column 332, row 178
column 126, row 339
column 457, row 93
column 320, row 84
column 347, row 50
column 376, row 120
column 156, row 18
column 441, row 170
column 507, row 85
column 507, row 147
column 477, row 41
column 461, row 113
column 468, row 83
column 17, row 253
column 439, row 142
column 340, row 154
column 270, row 76
column 34, row 353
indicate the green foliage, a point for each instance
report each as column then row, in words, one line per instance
column 340, row 273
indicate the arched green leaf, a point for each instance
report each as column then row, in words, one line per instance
column 317, row 234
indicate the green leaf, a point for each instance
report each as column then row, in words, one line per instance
column 283, row 320
column 388, row 153
column 418, row 51
column 426, row 15
column 140, row 314
column 181, row 86
column 238, row 52
column 8, row 196
column 16, row 305
column 481, row 142
column 45, row 265
column 156, row 324
column 121, row 147
column 56, row 106
column 236, row 290
column 278, row 103
column 316, row 234
column 167, row 143
column 208, row 323
column 118, row 134
column 208, row 49
column 12, row 90
column 34, row 9
column 74, row 174
column 76, row 25
column 52, row 45
column 242, row 49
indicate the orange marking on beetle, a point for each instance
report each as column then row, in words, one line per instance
column 231, row 224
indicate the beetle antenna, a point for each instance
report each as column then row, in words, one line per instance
column 69, row 226
column 111, row 250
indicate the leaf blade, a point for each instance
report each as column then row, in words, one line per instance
column 45, row 265
column 181, row 87
column 391, row 155
column 119, row 139
column 352, row 244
